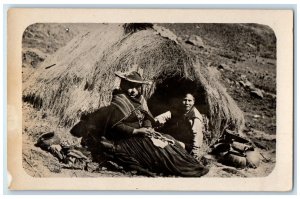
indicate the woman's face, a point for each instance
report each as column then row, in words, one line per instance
column 133, row 90
column 188, row 102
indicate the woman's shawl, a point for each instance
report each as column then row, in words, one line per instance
column 126, row 106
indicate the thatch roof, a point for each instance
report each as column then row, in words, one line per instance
column 83, row 75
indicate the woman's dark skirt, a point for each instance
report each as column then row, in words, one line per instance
column 139, row 151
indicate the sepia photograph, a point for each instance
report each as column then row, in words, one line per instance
column 158, row 100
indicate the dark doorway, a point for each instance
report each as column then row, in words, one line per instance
column 168, row 95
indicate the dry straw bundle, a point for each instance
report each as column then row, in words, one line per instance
column 79, row 77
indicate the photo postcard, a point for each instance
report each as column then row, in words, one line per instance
column 145, row 99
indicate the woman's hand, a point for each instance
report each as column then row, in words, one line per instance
column 163, row 118
column 142, row 131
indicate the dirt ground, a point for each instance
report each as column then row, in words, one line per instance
column 244, row 57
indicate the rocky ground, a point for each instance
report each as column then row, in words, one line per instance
column 243, row 55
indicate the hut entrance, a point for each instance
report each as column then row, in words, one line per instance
column 169, row 93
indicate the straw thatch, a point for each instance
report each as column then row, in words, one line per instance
column 79, row 77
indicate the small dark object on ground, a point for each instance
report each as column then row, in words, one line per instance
column 50, row 66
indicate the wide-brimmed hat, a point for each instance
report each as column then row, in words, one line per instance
column 132, row 76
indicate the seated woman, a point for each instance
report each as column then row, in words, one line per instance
column 135, row 144
column 186, row 124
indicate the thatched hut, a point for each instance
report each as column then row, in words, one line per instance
column 79, row 77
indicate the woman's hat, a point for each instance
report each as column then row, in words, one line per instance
column 133, row 76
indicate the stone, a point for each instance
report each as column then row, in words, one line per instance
column 92, row 166
column 242, row 83
column 247, row 84
column 224, row 67
column 257, row 93
column 243, row 76
column 196, row 41
column 103, row 168
column 228, row 81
